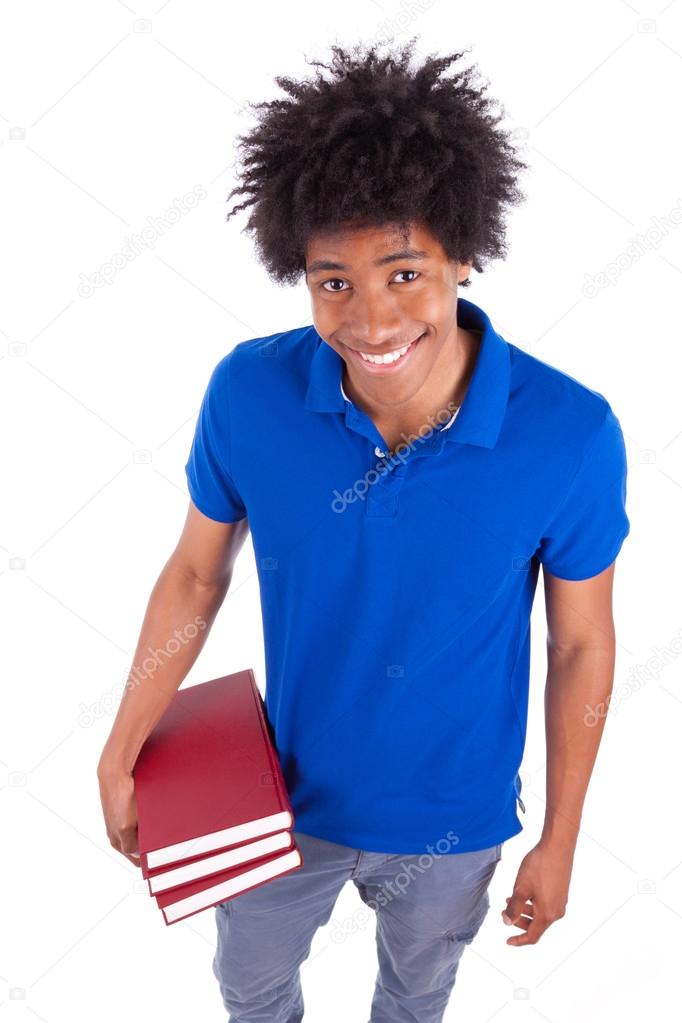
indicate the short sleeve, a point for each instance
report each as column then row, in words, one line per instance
column 209, row 482
column 588, row 530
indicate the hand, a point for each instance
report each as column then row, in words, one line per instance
column 540, row 892
column 117, row 793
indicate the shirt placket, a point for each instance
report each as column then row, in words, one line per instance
column 386, row 475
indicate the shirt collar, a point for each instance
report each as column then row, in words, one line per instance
column 446, row 427
column 482, row 412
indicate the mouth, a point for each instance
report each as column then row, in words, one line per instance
column 397, row 359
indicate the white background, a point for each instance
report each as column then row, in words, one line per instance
column 108, row 113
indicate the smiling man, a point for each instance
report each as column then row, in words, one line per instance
column 405, row 354
column 405, row 472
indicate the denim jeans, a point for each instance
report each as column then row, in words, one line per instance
column 428, row 909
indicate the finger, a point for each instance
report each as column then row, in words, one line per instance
column 525, row 907
column 524, row 921
column 516, row 905
column 130, row 851
column 535, row 931
column 128, row 839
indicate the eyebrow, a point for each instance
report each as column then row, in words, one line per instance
column 392, row 257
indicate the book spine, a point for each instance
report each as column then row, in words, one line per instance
column 274, row 762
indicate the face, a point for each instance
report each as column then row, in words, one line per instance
column 374, row 291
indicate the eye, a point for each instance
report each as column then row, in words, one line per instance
column 409, row 272
column 337, row 280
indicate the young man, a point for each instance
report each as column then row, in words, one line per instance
column 404, row 471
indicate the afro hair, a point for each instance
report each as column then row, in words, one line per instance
column 377, row 143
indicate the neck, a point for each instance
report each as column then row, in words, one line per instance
column 435, row 402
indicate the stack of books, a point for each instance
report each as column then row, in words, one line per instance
column 213, row 814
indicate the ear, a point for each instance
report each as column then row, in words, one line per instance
column 463, row 271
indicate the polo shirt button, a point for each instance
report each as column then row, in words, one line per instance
column 379, row 452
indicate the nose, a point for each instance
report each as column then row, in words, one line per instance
column 374, row 324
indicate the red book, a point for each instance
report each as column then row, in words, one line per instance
column 217, row 863
column 209, row 891
column 208, row 778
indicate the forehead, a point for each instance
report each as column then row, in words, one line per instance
column 356, row 243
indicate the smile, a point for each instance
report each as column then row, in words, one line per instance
column 388, row 362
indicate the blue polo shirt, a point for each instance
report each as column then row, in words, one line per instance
column 396, row 587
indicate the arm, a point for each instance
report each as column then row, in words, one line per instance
column 580, row 665
column 190, row 588
column 581, row 650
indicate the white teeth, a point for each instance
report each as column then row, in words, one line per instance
column 380, row 360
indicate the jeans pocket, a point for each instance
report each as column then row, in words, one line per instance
column 224, row 907
column 466, row 935
column 476, row 901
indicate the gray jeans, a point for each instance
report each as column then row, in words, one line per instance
column 428, row 908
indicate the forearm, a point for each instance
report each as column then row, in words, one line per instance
column 576, row 681
column 179, row 615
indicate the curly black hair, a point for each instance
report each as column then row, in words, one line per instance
column 377, row 143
